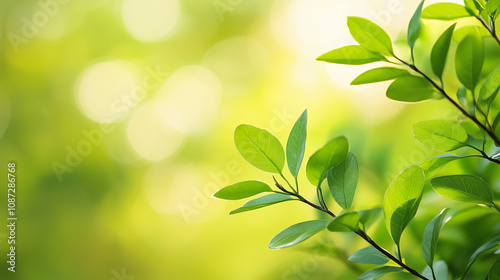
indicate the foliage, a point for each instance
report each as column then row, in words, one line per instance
column 475, row 100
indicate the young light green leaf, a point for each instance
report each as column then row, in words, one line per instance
column 441, row 135
column 489, row 90
column 346, row 221
column 439, row 51
column 297, row 233
column 469, row 59
column 296, row 144
column 431, row 234
column 445, row 11
column 415, row 26
column 378, row 272
column 368, row 216
column 370, row 35
column 410, row 89
column 484, row 14
column 260, row 148
column 402, row 199
column 333, row 153
column 494, row 273
column 433, row 164
column 242, row 190
column 379, row 75
column 464, row 188
column 369, row 255
column 353, row 55
column 342, row 181
column 485, row 247
column 264, row 201
column 440, row 270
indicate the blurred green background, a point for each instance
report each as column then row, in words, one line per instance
column 119, row 116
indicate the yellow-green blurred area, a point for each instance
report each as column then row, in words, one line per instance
column 119, row 116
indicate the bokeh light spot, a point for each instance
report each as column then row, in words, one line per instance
column 239, row 62
column 189, row 99
column 103, row 90
column 150, row 136
column 150, row 20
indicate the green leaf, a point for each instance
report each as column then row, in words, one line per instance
column 431, row 234
column 346, row 221
column 342, row 181
column 440, row 269
column 496, row 125
column 296, row 144
column 433, row 164
column 410, row 89
column 264, row 201
column 368, row 216
column 370, row 35
column 439, row 51
column 469, row 59
column 415, row 26
column 297, row 233
column 260, row 148
column 485, row 247
column 242, row 190
column 462, row 32
column 465, row 99
column 378, row 272
column 464, row 188
column 445, row 11
column 441, row 135
column 333, row 153
column 479, row 6
column 494, row 273
column 489, row 90
column 369, row 255
column 353, row 55
column 402, row 199
column 379, row 75
column 470, row 7
column 492, row 7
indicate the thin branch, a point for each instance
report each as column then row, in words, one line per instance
column 491, row 30
column 282, row 176
column 453, row 102
column 363, row 235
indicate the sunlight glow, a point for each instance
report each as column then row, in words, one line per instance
column 151, row 137
column 189, row 99
column 239, row 62
column 101, row 87
column 150, row 20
